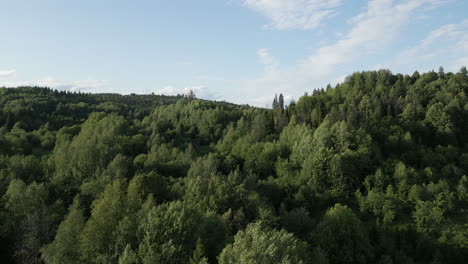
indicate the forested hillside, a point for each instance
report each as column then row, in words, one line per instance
column 373, row 170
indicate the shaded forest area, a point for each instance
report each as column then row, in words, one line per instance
column 373, row 170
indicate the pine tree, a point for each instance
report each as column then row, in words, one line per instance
column 441, row 72
column 281, row 102
column 190, row 95
column 275, row 102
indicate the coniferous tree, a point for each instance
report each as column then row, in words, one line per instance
column 441, row 72
column 281, row 102
column 275, row 102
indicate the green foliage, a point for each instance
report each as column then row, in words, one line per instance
column 343, row 237
column 210, row 190
column 428, row 216
column 198, row 255
column 98, row 236
column 258, row 244
column 22, row 199
column 171, row 231
column 65, row 248
column 100, row 139
column 128, row 256
column 174, row 180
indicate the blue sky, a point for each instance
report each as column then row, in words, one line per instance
column 242, row 51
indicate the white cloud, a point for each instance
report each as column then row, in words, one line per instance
column 294, row 14
column 200, row 91
column 448, row 41
column 9, row 73
column 81, row 85
column 372, row 31
column 269, row 62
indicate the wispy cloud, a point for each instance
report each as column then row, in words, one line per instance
column 269, row 62
column 8, row 73
column 372, row 31
column 81, row 85
column 448, row 41
column 200, row 91
column 294, row 14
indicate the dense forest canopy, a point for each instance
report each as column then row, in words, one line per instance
column 373, row 170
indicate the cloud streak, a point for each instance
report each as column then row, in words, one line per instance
column 8, row 73
column 449, row 41
column 372, row 31
column 294, row 14
column 89, row 85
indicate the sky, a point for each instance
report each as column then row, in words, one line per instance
column 241, row 51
